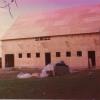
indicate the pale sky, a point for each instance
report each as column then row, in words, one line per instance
column 34, row 6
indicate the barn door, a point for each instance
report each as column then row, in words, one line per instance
column 91, row 58
column 9, row 60
column 47, row 58
column 0, row 62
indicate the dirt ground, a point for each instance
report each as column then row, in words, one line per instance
column 12, row 73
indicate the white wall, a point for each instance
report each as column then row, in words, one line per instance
column 74, row 43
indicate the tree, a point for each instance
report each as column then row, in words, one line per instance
column 7, row 4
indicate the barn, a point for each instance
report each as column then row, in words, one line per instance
column 73, row 36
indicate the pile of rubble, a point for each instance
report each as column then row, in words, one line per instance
column 50, row 70
column 58, row 69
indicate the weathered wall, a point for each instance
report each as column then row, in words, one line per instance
column 61, row 44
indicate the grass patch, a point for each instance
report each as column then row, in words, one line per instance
column 76, row 86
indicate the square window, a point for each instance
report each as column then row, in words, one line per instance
column 58, row 54
column 28, row 55
column 37, row 55
column 47, row 38
column 79, row 53
column 41, row 38
column 68, row 54
column 36, row 38
column 20, row 55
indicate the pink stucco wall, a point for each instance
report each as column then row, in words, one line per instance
column 73, row 43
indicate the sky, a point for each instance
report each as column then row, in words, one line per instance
column 34, row 6
column 54, row 4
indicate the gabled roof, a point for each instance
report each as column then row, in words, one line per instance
column 59, row 22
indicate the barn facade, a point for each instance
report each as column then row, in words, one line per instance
column 34, row 41
column 74, row 50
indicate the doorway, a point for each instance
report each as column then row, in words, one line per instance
column 0, row 62
column 91, row 57
column 47, row 58
column 9, row 60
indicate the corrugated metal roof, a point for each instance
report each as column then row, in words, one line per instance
column 63, row 21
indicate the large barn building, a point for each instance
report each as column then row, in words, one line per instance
column 36, row 40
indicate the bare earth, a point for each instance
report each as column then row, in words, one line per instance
column 12, row 74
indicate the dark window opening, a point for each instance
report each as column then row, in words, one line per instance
column 46, row 38
column 37, row 55
column 20, row 55
column 28, row 55
column 41, row 38
column 68, row 54
column 79, row 53
column 58, row 54
column 37, row 39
